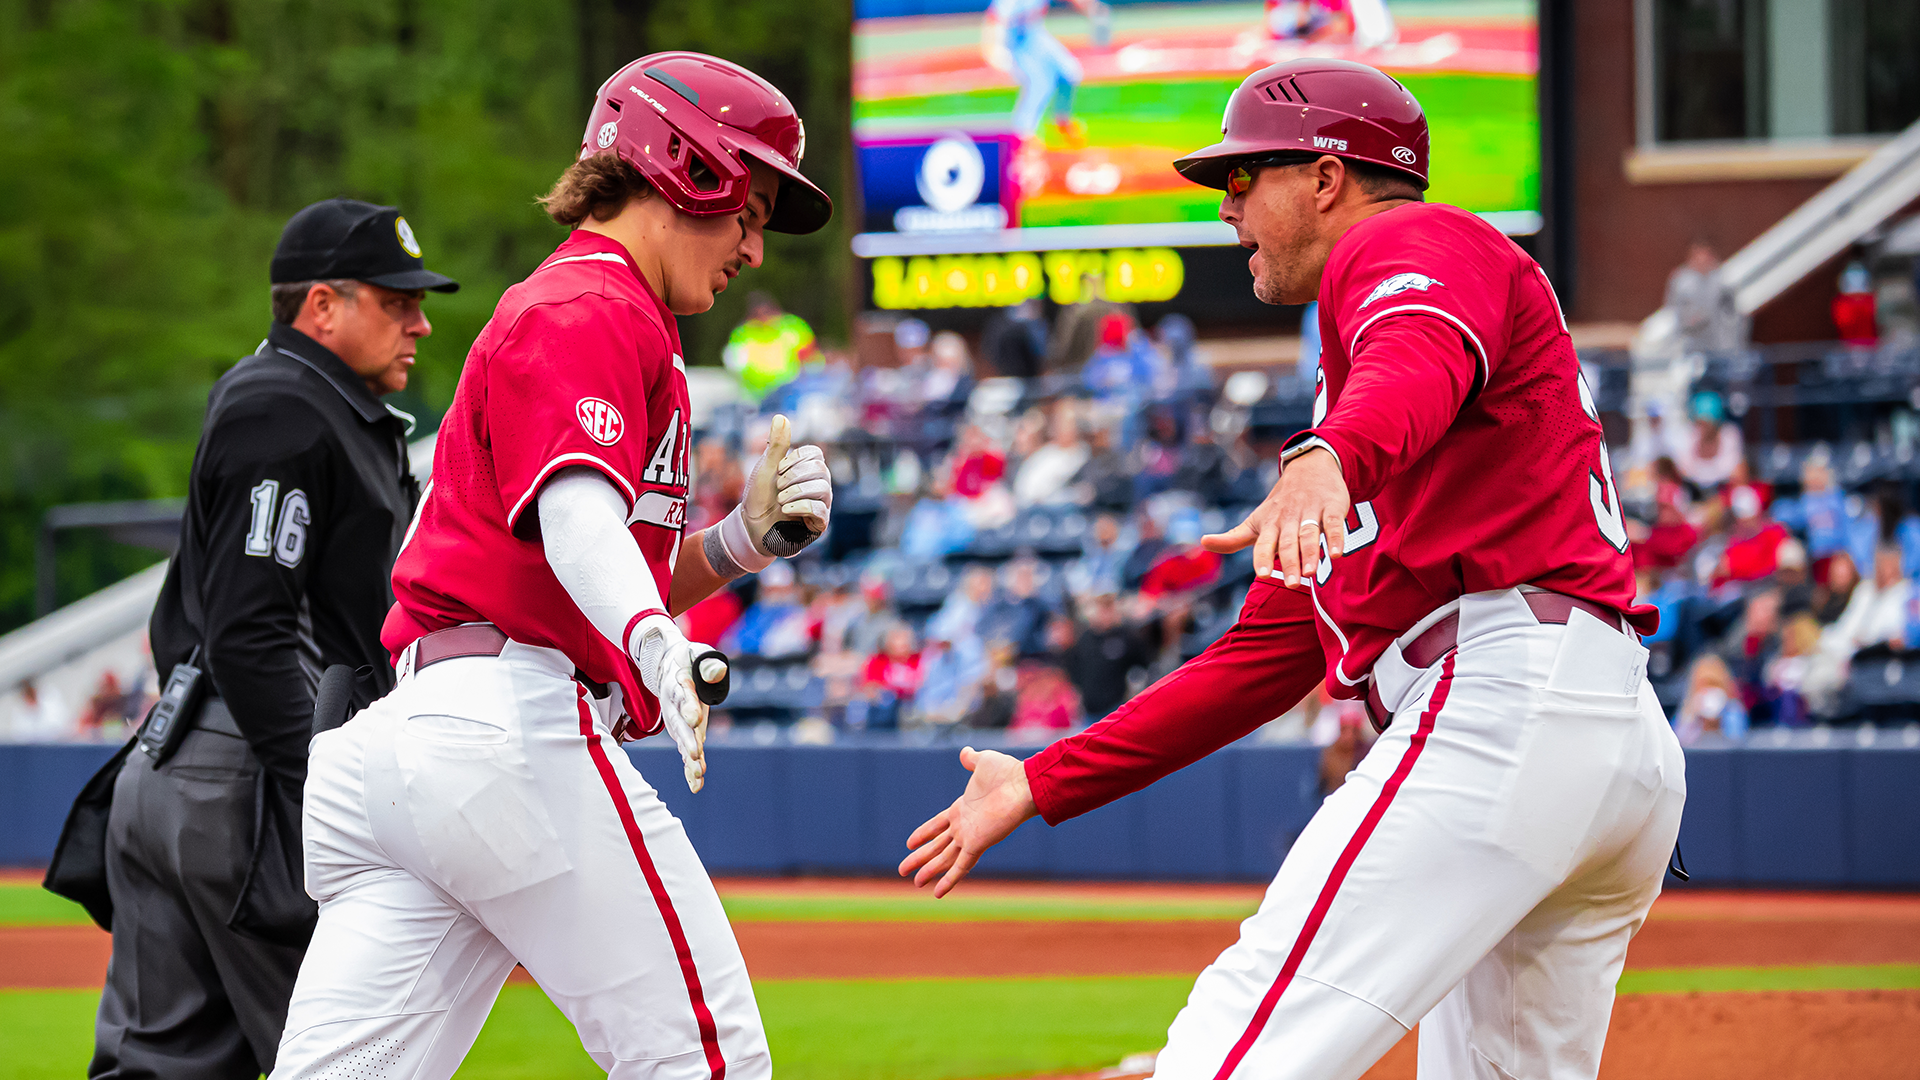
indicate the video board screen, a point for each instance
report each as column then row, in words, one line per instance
column 1027, row 126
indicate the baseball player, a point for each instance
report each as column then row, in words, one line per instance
column 1445, row 543
column 482, row 813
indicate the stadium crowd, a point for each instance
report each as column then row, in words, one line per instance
column 1019, row 553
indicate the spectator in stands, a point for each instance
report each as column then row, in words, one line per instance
column 1184, row 568
column 867, row 630
column 1045, row 704
column 1791, row 577
column 1183, row 380
column 1785, row 678
column 41, row 716
column 1830, row 596
column 1157, row 457
column 1876, row 612
column 1708, row 452
column 947, row 378
column 1103, row 558
column 978, row 467
column 1045, row 476
column 1105, row 480
column 951, row 673
column 1204, row 469
column 1147, row 549
column 960, row 613
column 1712, row 712
column 775, row 625
column 938, row 524
column 717, row 485
column 1101, row 656
column 1123, row 366
column 1752, row 643
column 1823, row 508
column 1699, row 298
column 1014, row 340
column 1671, row 536
column 710, row 619
column 1753, row 540
column 1854, row 316
column 1077, row 328
column 1339, row 757
column 766, row 351
column 888, row 682
column 1020, row 616
column 1179, row 576
column 998, row 689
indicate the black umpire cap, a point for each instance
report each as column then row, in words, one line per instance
column 346, row 238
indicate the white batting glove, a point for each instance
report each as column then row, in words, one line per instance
column 786, row 486
column 665, row 659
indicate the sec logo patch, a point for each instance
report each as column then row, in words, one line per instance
column 601, row 420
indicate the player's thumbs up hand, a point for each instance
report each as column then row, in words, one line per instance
column 789, row 496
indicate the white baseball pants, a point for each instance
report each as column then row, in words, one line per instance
column 1479, row 873
column 482, row 814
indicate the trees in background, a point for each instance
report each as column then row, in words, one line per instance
column 150, row 150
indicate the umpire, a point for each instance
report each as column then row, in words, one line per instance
column 298, row 502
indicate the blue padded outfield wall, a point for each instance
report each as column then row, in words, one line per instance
column 1808, row 817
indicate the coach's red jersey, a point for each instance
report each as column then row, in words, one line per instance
column 1470, row 442
column 579, row 366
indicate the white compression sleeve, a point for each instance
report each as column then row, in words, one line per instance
column 583, row 528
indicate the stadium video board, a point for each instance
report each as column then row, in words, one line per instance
column 991, row 133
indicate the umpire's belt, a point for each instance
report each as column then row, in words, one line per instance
column 1436, row 641
column 215, row 716
column 478, row 639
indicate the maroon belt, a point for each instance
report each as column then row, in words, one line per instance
column 479, row 639
column 1436, row 641
column 474, row 639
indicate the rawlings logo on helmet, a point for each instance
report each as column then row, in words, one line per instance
column 1397, row 284
column 1404, row 156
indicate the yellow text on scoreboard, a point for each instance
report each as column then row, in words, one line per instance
column 1068, row 277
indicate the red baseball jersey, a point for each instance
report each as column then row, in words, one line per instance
column 579, row 366
column 1470, row 442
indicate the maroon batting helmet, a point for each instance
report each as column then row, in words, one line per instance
column 1313, row 107
column 665, row 112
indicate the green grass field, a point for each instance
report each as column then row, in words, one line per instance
column 873, row 1029
column 24, row 904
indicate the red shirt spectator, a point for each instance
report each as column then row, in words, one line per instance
column 712, row 617
column 1182, row 571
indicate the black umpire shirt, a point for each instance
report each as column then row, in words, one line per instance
column 298, row 501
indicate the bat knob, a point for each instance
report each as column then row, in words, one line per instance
column 712, row 676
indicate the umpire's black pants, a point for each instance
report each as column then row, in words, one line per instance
column 186, row 997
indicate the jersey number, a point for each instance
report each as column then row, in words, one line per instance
column 288, row 545
column 1600, row 489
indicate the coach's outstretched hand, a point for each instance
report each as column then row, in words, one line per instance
column 1285, row 529
column 996, row 802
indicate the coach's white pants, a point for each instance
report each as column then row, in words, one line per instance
column 479, row 815
column 1479, row 873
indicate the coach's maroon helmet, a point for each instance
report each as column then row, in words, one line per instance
column 1314, row 107
column 670, row 113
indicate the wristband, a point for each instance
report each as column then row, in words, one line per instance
column 738, row 546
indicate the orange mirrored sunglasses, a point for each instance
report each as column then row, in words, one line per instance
column 1240, row 179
